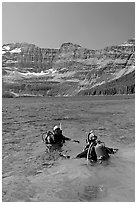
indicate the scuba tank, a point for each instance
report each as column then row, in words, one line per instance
column 101, row 151
column 91, row 154
column 48, row 138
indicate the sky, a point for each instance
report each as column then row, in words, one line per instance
column 92, row 25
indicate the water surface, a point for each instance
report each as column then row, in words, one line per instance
column 32, row 174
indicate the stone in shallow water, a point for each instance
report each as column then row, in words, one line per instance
column 93, row 192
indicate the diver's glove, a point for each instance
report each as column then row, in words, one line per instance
column 76, row 141
column 115, row 150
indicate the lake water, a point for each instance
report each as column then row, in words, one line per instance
column 30, row 173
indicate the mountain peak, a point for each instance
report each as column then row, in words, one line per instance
column 129, row 42
column 69, row 45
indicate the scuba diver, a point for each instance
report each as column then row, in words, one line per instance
column 55, row 140
column 56, row 137
column 95, row 150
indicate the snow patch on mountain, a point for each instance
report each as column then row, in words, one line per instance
column 16, row 50
column 6, row 47
column 126, row 44
column 11, row 61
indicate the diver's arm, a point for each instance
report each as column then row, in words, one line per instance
column 69, row 139
column 111, row 150
column 75, row 141
column 86, row 147
column 83, row 154
column 66, row 138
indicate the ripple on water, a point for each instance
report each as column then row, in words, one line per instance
column 82, row 190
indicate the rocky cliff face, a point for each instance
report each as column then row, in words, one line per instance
column 72, row 68
column 27, row 57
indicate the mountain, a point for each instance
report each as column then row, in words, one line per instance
column 68, row 71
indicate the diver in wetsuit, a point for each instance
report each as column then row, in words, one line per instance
column 98, row 150
column 56, row 137
column 55, row 140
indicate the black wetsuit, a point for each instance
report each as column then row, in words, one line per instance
column 59, row 138
column 93, row 155
column 83, row 154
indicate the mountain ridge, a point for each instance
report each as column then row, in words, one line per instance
column 75, row 69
